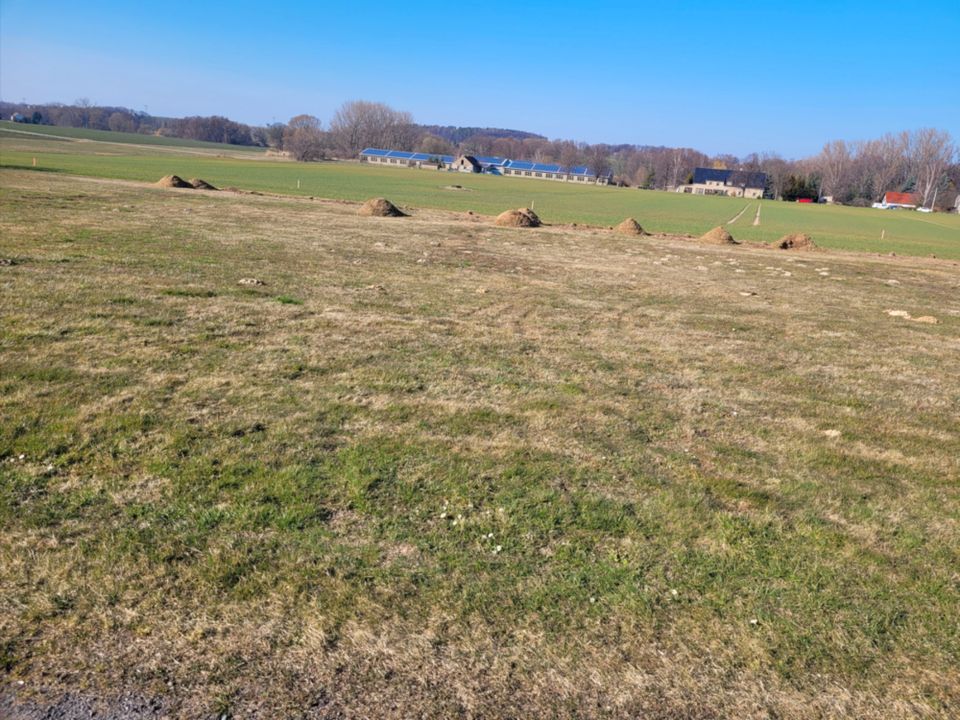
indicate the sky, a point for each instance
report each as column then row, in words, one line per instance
column 720, row 77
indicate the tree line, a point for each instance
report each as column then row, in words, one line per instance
column 924, row 161
column 856, row 173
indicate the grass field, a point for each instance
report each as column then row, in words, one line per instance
column 104, row 136
column 836, row 227
column 435, row 468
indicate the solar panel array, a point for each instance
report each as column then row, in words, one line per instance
column 403, row 155
column 489, row 161
column 486, row 162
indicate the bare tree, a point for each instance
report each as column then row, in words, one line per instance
column 274, row 134
column 121, row 122
column 303, row 138
column 599, row 159
column 832, row 163
column 507, row 147
column 435, row 145
column 477, row 145
column 359, row 124
column 883, row 163
column 931, row 152
column 777, row 171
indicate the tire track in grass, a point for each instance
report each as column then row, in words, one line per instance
column 756, row 220
column 737, row 216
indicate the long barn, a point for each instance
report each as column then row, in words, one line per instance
column 483, row 164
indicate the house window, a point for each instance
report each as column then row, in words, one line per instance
column 527, row 173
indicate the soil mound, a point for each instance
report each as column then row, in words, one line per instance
column 199, row 184
column 630, row 227
column 719, row 236
column 173, row 181
column 522, row 217
column 795, row 241
column 380, row 207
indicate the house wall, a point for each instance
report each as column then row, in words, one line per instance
column 716, row 188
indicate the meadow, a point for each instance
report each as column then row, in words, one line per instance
column 429, row 467
column 861, row 229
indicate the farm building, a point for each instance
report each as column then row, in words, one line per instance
column 400, row 158
column 735, row 183
column 483, row 164
column 892, row 200
column 467, row 163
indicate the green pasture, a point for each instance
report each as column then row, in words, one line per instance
column 862, row 229
column 123, row 138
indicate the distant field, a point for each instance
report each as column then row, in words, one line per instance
column 118, row 137
column 433, row 468
column 836, row 227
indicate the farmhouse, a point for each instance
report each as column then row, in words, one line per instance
column 892, row 200
column 735, row 183
column 467, row 163
column 484, row 164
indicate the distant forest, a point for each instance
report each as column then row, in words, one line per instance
column 923, row 161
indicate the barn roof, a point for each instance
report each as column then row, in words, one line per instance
column 730, row 177
column 901, row 198
column 403, row 155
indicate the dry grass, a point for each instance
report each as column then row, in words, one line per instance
column 438, row 468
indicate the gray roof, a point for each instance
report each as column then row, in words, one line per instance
column 733, row 178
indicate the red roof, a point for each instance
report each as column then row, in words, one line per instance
column 896, row 198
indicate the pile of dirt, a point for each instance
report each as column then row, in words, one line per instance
column 719, row 236
column 795, row 241
column 522, row 217
column 380, row 207
column 630, row 227
column 173, row 181
column 199, row 184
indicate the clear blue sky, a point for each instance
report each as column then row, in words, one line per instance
column 716, row 76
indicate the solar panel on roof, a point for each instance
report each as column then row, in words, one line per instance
column 539, row 167
column 374, row 151
column 521, row 165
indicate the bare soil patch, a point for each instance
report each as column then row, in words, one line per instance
column 718, row 236
column 630, row 227
column 173, row 181
column 198, row 184
column 380, row 207
column 795, row 241
column 521, row 217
